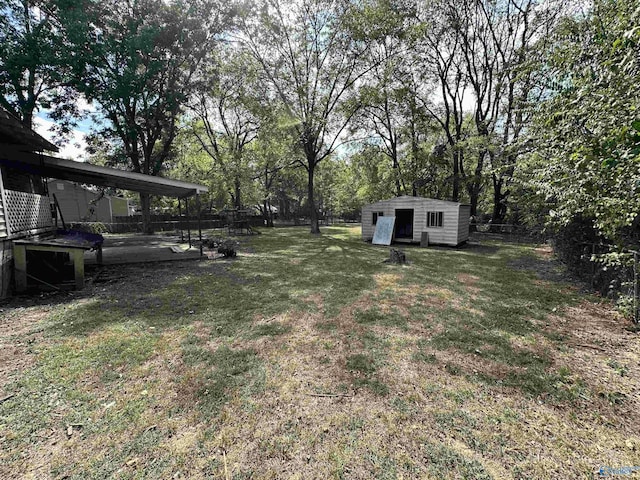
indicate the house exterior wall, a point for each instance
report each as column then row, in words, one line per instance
column 451, row 232
column 72, row 199
column 102, row 211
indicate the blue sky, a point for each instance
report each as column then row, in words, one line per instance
column 74, row 147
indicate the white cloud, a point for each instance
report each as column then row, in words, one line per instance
column 73, row 149
column 86, row 107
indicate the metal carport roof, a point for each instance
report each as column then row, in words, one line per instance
column 80, row 172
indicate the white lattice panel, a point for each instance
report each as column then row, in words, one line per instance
column 27, row 211
column 3, row 222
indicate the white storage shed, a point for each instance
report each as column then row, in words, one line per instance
column 447, row 223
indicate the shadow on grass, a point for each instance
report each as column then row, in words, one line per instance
column 285, row 267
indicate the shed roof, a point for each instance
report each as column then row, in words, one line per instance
column 80, row 172
column 409, row 198
column 13, row 132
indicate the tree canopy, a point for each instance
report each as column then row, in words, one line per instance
column 523, row 108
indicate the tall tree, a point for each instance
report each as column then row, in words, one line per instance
column 274, row 151
column 382, row 95
column 312, row 63
column 438, row 58
column 499, row 41
column 381, row 113
column 35, row 58
column 141, row 59
column 228, row 114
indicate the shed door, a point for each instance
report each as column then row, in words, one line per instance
column 404, row 223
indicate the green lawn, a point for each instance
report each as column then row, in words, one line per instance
column 308, row 357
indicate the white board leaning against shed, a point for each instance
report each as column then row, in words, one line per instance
column 384, row 231
column 446, row 223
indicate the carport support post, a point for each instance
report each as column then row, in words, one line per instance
column 199, row 221
column 180, row 219
column 186, row 202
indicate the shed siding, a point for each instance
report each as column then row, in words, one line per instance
column 448, row 234
column 367, row 228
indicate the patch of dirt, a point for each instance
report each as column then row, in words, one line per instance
column 470, row 282
column 14, row 359
column 605, row 355
column 473, row 364
column 544, row 251
column 21, row 320
column 315, row 299
column 546, row 269
column 119, row 280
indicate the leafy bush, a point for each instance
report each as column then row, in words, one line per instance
column 590, row 256
column 90, row 227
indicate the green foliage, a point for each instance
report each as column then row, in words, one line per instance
column 228, row 116
column 588, row 157
column 91, row 227
column 311, row 63
column 135, row 70
column 35, row 58
column 442, row 460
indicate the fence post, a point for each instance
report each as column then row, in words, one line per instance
column 635, row 288
column 180, row 220
column 186, row 202
column 198, row 206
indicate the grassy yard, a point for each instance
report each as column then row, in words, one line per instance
column 308, row 357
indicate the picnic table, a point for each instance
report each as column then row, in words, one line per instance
column 237, row 226
column 237, row 221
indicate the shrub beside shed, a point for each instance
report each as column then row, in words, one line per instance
column 446, row 223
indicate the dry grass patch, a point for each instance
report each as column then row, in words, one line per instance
column 606, row 356
column 470, row 282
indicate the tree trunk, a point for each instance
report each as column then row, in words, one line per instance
column 499, row 206
column 27, row 119
column 237, row 199
column 396, row 174
column 456, row 175
column 266, row 213
column 269, row 215
column 474, row 194
column 396, row 169
column 315, row 223
column 475, row 187
column 145, row 204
